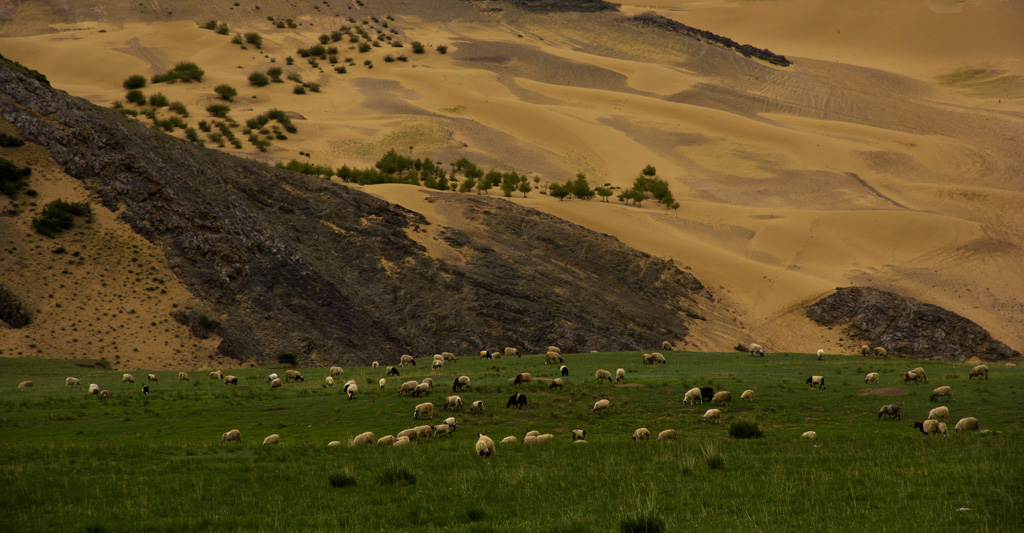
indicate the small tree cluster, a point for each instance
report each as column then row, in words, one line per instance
column 185, row 71
column 58, row 216
column 135, row 81
column 12, row 178
column 578, row 187
column 648, row 184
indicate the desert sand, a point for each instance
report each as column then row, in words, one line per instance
column 887, row 155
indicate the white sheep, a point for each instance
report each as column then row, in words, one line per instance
column 127, row 378
column 668, row 434
column 881, row 352
column 375, row 364
column 272, row 377
column 723, row 397
column 693, row 396
column 182, row 376
column 334, row 443
column 430, row 383
column 818, row 381
column 272, row 439
column 484, row 446
column 552, row 358
column 603, row 374
column 363, row 438
column 382, row 382
column 293, row 375
column 530, row 439
column 547, row 437
column 938, row 412
column 451, row 422
column 646, row 359
column 329, row 381
column 941, row 392
column 94, row 389
column 151, row 377
column 402, row 441
column 337, row 371
column 217, row 374
column 642, row 434
column 408, row 387
column 920, row 374
column 966, row 424
column 495, row 355
column 351, row 390
column 275, row 384
column 555, row 349
column 424, row 431
column 579, row 434
column 448, row 356
column 557, row 382
column 942, row 428
column 809, row 435
column 979, row 371
column 532, row 433
column 657, row 358
column 1011, row 365
column 712, row 414
column 453, row 403
column 666, row 345
column 407, row 360
column 442, row 429
column 423, row 410
column 386, row 440
column 70, row 382
column 231, row 436
column 821, row 353
column 477, row 407
column 510, row 352
column 747, row 395
column 437, row 365
column 910, row 375
column 461, row 383
column 410, row 434
column 601, row 405
column 871, row 376
column 928, row 427
column 620, row 374
column 755, row 349
column 511, row 439
column 865, row 350
column 230, row 380
column 423, row 389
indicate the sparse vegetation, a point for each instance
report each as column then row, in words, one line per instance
column 299, row 89
column 12, row 178
column 223, row 29
column 158, row 100
column 275, row 74
column 254, row 39
column 179, row 108
column 10, row 141
column 417, row 47
column 258, row 79
column 226, row 92
column 186, row 71
column 442, row 49
column 135, row 96
column 58, row 216
column 218, row 110
column 136, row 81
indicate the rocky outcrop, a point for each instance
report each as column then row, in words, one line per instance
column 906, row 327
column 12, row 312
column 658, row 21
column 284, row 262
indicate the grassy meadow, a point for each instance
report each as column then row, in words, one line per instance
column 134, row 462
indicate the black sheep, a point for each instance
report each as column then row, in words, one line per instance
column 565, row 370
column 518, row 400
column 707, row 393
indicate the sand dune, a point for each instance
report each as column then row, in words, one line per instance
column 888, row 154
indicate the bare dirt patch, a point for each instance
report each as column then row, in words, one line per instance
column 892, row 391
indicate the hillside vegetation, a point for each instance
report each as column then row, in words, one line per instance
column 152, row 462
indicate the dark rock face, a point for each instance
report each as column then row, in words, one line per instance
column 12, row 312
column 564, row 6
column 658, row 21
column 906, row 327
column 291, row 263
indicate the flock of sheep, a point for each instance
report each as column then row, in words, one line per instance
column 485, row 446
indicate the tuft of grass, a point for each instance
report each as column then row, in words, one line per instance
column 648, row 523
column 745, row 429
column 136, row 97
column 275, row 74
column 158, row 100
column 417, row 47
column 339, row 480
column 135, row 81
column 258, row 79
column 396, row 476
column 226, row 92
column 218, row 110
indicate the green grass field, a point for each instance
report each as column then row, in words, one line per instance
column 134, row 462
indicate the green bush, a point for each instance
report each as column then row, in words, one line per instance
column 649, row 523
column 417, row 47
column 8, row 141
column 275, row 74
column 254, row 39
column 341, row 70
column 223, row 28
column 218, row 110
column 294, row 76
column 192, row 135
column 289, row 60
column 12, row 178
column 442, row 49
column 389, row 58
column 135, row 96
column 158, row 100
column 341, row 480
column 258, row 79
column 226, row 92
column 179, row 108
column 236, row 38
column 744, row 429
column 396, row 476
column 135, row 81
column 186, row 71
column 58, row 216
column 210, row 25
column 299, row 89
column 364, row 47
column 313, row 86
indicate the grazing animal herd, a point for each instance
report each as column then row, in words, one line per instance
column 485, row 446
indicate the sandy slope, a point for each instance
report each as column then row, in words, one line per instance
column 876, row 159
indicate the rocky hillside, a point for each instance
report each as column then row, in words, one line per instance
column 905, row 326
column 285, row 262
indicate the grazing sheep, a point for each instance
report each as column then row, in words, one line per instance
column 402, row 441
column 579, row 434
column 657, row 358
column 461, row 383
column 712, row 414
column 509, row 352
column 495, row 355
column 334, row 443
column 423, row 410
column 808, row 435
column 555, row 349
column 920, row 374
column 979, row 371
column 941, row 392
column 293, row 375
column 351, row 390
column 423, row 389
column 865, row 350
column 642, row 434
column 942, row 428
column 755, row 349
column 966, row 424
column 1012, row 365
column 601, row 405
column 272, row 377
column 329, row 381
column 928, row 426
column 747, row 395
column 818, row 381
column 27, row 384
column 438, row 364
column 668, row 434
column 665, row 345
column 442, row 429
column 891, row 410
column 477, row 407
column 821, row 353
column 94, row 389
column 552, row 358
column 522, row 377
column 547, row 437
column 337, row 371
column 707, row 393
column 872, row 376
column 511, row 439
column 230, row 380
column 938, row 412
column 881, row 352
column 453, row 403
column 381, row 382
column 723, row 397
column 275, row 384
column 533, row 433
column 910, row 375
column 447, row 356
column 557, row 382
column 104, row 393
column 485, row 354
column 579, row 441
column 518, row 400
column 530, row 439
column 70, row 382
column 145, row 389
column 408, row 387
column 363, row 438
column 231, row 436
column 564, row 370
column 646, row 359
column 451, row 422
column 484, row 446
column 217, row 374
column 391, row 371
column 182, row 376
column 603, row 374
column 693, row 396
column 127, row 378
column 409, row 434
column 386, row 440
column 407, row 360
column 375, row 364
column 424, row 431
column 272, row 439
column 151, row 377
column 620, row 374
